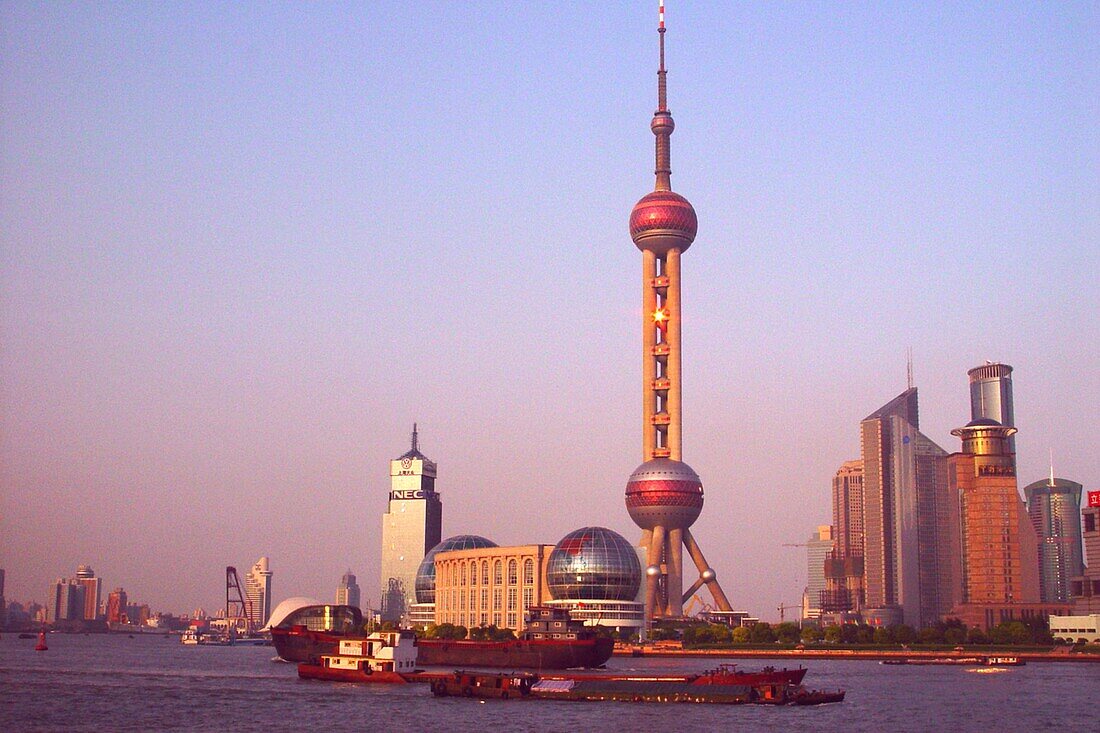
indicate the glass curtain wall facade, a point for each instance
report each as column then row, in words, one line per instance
column 1054, row 506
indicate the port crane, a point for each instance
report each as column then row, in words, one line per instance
column 237, row 607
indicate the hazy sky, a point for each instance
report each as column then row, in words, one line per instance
column 244, row 246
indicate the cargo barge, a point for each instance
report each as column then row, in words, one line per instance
column 551, row 640
column 529, row 686
column 976, row 661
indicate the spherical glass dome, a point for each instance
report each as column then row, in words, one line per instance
column 425, row 574
column 594, row 563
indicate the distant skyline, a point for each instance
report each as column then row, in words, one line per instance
column 244, row 247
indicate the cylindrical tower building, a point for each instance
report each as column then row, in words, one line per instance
column 664, row 495
column 991, row 395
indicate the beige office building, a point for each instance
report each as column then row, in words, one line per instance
column 490, row 586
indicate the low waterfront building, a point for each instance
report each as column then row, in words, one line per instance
column 1075, row 629
column 490, row 586
column 422, row 613
column 597, row 575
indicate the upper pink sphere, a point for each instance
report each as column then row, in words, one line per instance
column 661, row 221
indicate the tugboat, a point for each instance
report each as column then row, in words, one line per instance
column 385, row 656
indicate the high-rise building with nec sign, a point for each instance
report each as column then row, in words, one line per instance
column 411, row 526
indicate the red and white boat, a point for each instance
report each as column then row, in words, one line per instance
column 384, row 656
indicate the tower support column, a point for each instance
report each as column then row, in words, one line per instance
column 672, row 335
column 649, row 363
column 674, row 579
column 701, row 563
column 653, row 560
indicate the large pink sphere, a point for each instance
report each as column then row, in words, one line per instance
column 665, row 493
column 663, row 220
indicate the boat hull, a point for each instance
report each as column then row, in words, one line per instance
column 516, row 654
column 358, row 676
column 303, row 646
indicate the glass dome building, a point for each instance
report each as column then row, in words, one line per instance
column 594, row 563
column 425, row 574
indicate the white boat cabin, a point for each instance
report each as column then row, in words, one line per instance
column 382, row 651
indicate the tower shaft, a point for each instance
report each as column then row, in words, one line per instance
column 662, row 392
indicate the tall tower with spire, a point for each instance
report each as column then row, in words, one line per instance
column 664, row 495
column 411, row 526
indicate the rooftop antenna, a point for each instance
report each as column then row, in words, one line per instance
column 1051, row 466
column 909, row 367
column 415, row 440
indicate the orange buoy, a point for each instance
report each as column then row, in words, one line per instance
column 41, row 646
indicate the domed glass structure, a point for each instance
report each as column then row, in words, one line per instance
column 425, row 574
column 593, row 563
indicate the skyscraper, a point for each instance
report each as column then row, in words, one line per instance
column 908, row 518
column 844, row 570
column 818, row 548
column 1085, row 587
column 998, row 545
column 347, row 593
column 848, row 508
column 92, row 592
column 412, row 525
column 257, row 591
column 116, row 606
column 664, row 495
column 1054, row 506
column 991, row 395
column 67, row 600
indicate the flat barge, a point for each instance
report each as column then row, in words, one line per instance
column 582, row 688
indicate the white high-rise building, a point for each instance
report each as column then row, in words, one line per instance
column 257, row 591
column 818, row 547
column 412, row 525
column 347, row 593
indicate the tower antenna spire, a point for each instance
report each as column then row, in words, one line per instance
column 662, row 101
column 415, row 440
column 662, row 124
column 909, row 368
column 1051, row 466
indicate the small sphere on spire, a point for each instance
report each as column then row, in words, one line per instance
column 662, row 123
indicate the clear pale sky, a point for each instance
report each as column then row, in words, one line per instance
column 244, row 246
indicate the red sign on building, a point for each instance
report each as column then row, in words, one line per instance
column 1094, row 498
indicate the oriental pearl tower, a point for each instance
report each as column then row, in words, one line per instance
column 664, row 495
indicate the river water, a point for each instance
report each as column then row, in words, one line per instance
column 113, row 682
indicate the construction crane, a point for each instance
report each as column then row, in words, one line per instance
column 782, row 608
column 696, row 600
column 237, row 608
